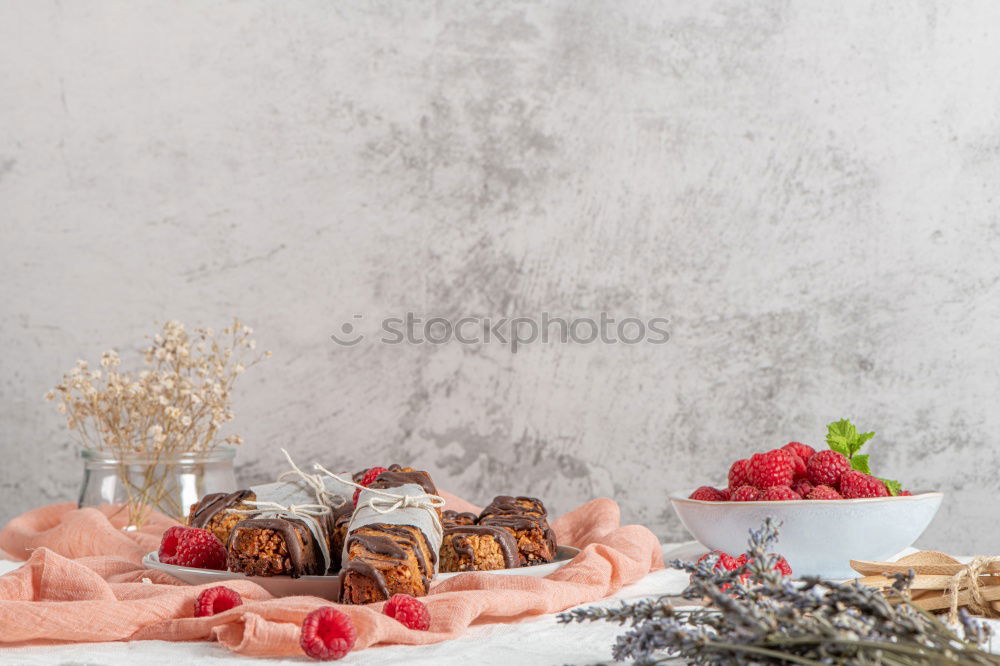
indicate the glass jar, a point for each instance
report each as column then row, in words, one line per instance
column 166, row 482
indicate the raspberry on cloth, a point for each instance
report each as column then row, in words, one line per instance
column 81, row 574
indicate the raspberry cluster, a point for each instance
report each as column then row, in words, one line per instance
column 726, row 562
column 795, row 471
column 192, row 547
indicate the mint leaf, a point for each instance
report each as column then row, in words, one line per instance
column 842, row 431
column 838, row 436
column 860, row 463
column 843, row 437
column 894, row 487
column 859, row 441
column 839, row 446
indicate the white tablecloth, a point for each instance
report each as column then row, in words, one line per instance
column 537, row 641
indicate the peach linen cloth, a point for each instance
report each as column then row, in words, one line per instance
column 83, row 581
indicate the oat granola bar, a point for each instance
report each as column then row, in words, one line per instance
column 211, row 513
column 340, row 520
column 382, row 559
column 478, row 548
column 525, row 519
column 274, row 547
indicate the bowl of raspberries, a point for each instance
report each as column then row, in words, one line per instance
column 832, row 508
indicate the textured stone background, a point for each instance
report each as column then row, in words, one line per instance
column 808, row 191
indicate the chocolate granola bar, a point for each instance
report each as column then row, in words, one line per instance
column 275, row 546
column 478, row 548
column 341, row 520
column 383, row 560
column 388, row 556
column 525, row 519
column 212, row 512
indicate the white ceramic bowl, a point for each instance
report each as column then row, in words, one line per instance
column 818, row 537
column 328, row 587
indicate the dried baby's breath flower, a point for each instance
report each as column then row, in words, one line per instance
column 171, row 405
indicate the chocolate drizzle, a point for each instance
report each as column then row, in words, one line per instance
column 503, row 537
column 388, row 540
column 394, row 479
column 455, row 518
column 211, row 504
column 506, row 505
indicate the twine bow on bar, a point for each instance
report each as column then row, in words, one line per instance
column 315, row 483
column 298, row 510
column 383, row 502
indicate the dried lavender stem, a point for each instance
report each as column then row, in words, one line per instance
column 754, row 649
column 767, row 620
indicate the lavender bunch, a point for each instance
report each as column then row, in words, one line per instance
column 754, row 615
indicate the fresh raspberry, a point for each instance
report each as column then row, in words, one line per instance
column 823, row 493
column 215, row 600
column 803, row 487
column 168, row 543
column 803, row 451
column 725, row 494
column 410, row 611
column 779, row 494
column 192, row 547
column 708, row 494
column 798, row 466
column 825, row 467
column 906, row 493
column 855, row 484
column 745, row 494
column 327, row 633
column 367, row 480
column 774, row 468
column 739, row 474
column 725, row 561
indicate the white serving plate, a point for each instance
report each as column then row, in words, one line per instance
column 328, row 587
column 563, row 556
column 818, row 537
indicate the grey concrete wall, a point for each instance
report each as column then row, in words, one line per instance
column 807, row 190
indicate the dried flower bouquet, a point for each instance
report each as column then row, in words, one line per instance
column 768, row 619
column 176, row 404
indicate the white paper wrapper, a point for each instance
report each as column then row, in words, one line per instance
column 425, row 519
column 296, row 491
